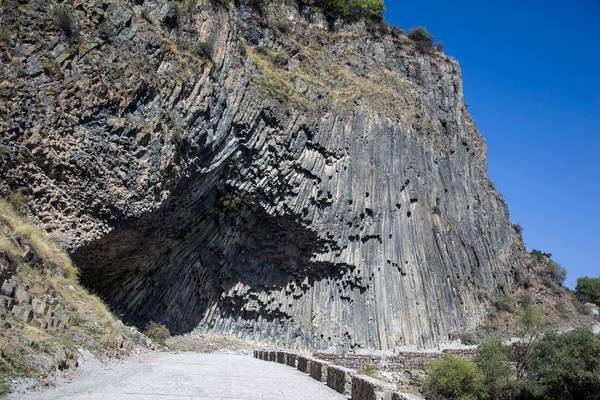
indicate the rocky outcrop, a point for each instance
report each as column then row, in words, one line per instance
column 211, row 167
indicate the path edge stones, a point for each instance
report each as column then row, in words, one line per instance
column 343, row 380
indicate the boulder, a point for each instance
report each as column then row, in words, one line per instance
column 21, row 295
column 8, row 288
column 22, row 312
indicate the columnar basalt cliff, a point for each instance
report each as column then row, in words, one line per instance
column 266, row 173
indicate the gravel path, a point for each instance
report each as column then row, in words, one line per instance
column 189, row 376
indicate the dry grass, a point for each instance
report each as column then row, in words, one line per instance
column 387, row 91
column 51, row 255
column 157, row 332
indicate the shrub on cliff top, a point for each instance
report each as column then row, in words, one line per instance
column 368, row 9
column 359, row 9
column 423, row 39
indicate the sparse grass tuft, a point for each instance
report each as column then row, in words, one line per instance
column 282, row 26
column 157, row 332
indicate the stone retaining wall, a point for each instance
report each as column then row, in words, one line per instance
column 292, row 360
column 318, row 370
column 281, row 359
column 364, row 387
column 409, row 360
column 341, row 379
column 304, row 364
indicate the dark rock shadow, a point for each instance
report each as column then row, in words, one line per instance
column 174, row 265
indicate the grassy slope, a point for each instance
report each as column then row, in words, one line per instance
column 29, row 351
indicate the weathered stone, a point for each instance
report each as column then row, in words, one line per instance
column 21, row 295
column 39, row 323
column 291, row 359
column 367, row 388
column 22, row 312
column 318, row 370
column 6, row 302
column 303, row 364
column 39, row 307
column 402, row 360
column 340, row 378
column 272, row 356
column 402, row 396
column 281, row 357
column 8, row 287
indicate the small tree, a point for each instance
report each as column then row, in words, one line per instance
column 454, row 378
column 530, row 320
column 566, row 366
column 557, row 273
column 493, row 361
column 588, row 290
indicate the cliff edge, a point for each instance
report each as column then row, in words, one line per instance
column 259, row 171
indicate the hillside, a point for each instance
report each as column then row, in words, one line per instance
column 45, row 316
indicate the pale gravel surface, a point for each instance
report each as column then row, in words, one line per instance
column 189, row 376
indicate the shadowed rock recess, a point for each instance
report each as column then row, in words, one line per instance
column 214, row 167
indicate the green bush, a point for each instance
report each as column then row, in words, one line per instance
column 518, row 228
column 557, row 273
column 504, row 302
column 372, row 10
column 204, row 50
column 454, row 378
column 334, row 7
column 540, row 255
column 588, row 290
column 259, row 5
column 493, row 361
column 157, row 332
column 281, row 26
column 565, row 366
column 64, row 18
column 369, row 9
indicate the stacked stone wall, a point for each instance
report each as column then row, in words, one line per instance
column 45, row 313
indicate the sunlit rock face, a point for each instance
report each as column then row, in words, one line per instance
column 208, row 171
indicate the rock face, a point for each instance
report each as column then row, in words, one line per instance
column 211, row 167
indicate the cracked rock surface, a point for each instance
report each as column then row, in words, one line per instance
column 209, row 171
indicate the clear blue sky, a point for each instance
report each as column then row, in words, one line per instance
column 531, row 72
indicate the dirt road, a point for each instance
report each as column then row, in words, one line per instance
column 189, row 376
